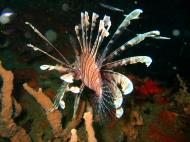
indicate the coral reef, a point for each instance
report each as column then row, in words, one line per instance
column 150, row 87
column 130, row 129
column 53, row 117
column 163, row 100
column 183, row 98
column 164, row 124
column 8, row 127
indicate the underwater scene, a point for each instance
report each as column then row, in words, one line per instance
column 94, row 71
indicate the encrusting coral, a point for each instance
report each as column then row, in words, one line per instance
column 130, row 129
column 183, row 98
column 9, row 129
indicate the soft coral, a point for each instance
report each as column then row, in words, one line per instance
column 150, row 87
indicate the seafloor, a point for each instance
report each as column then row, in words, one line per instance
column 157, row 110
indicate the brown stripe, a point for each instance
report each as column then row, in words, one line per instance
column 89, row 61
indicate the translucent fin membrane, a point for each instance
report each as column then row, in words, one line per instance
column 133, row 15
column 134, row 41
column 119, row 79
column 58, row 98
column 105, row 103
column 131, row 60
column 116, row 93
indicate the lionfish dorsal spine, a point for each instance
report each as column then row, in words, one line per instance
column 103, row 31
column 131, row 16
column 64, row 62
column 77, row 31
column 83, row 31
column 85, row 39
column 86, row 24
column 93, row 24
column 97, row 37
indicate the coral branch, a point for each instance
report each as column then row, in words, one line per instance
column 88, row 123
column 18, row 108
column 9, row 129
column 73, row 135
column 75, row 121
column 53, row 117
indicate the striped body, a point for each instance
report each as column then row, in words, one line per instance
column 90, row 73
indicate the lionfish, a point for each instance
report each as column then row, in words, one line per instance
column 94, row 69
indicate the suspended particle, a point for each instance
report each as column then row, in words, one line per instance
column 176, row 32
column 51, row 35
column 65, row 7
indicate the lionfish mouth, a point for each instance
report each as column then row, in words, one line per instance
column 95, row 69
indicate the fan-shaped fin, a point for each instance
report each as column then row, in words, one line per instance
column 106, row 104
column 119, row 79
column 116, row 93
column 59, row 96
